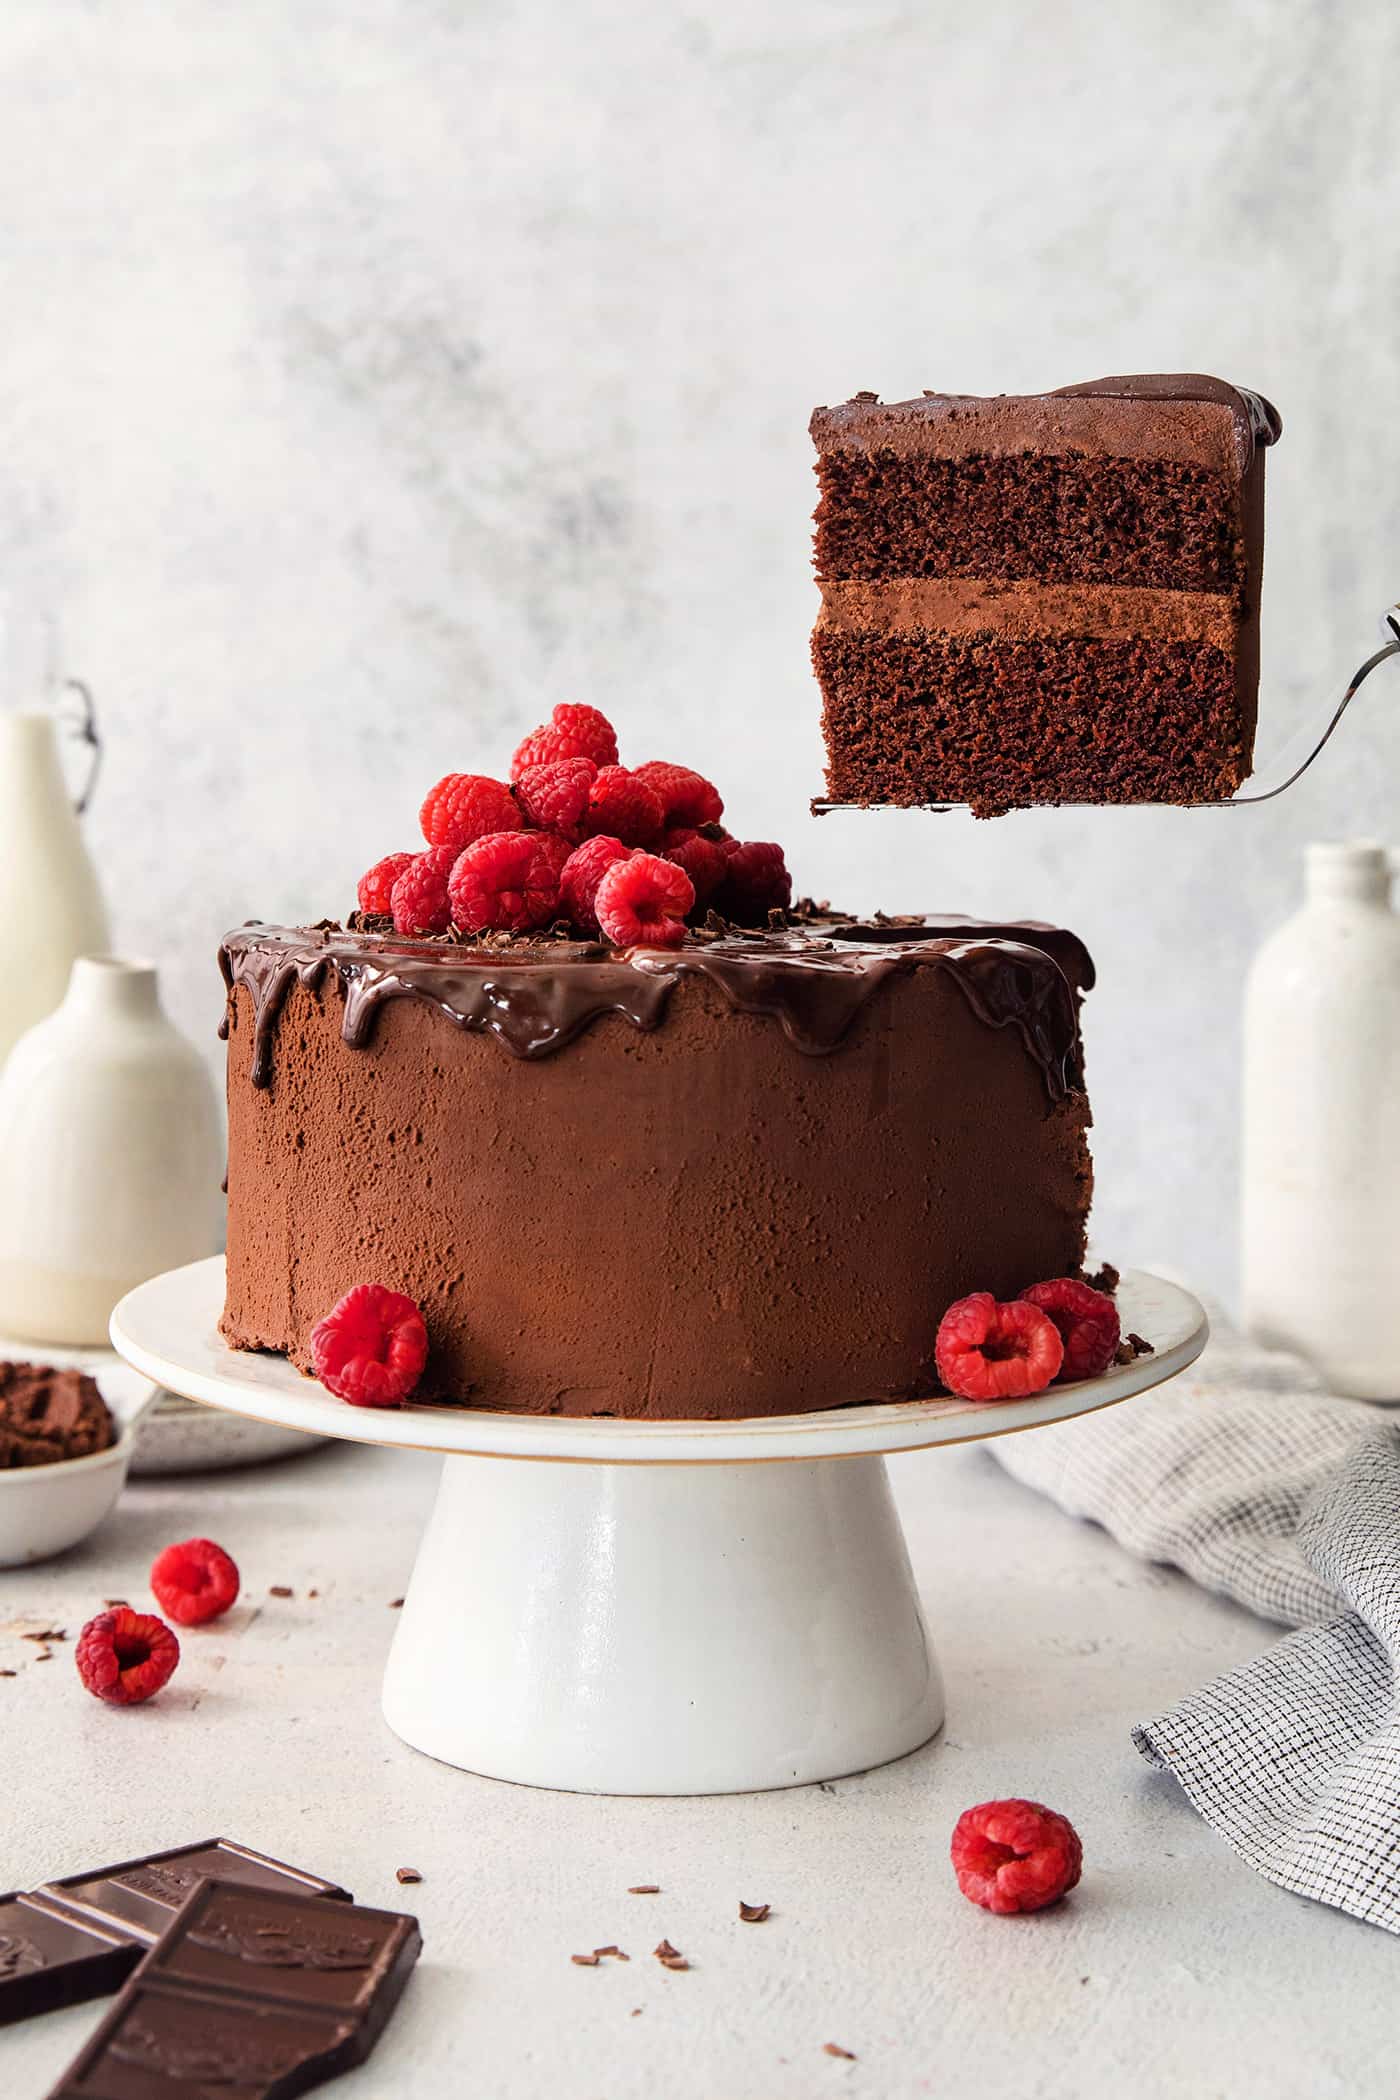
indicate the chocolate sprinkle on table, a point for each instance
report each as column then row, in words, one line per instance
column 584, row 1961
column 407, row 1874
column 835, row 2049
column 753, row 1913
column 279, row 1589
column 646, row 1888
column 670, row 1957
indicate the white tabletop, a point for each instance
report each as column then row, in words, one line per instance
column 1172, row 1970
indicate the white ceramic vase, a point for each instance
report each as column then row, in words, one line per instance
column 1321, row 1167
column 111, row 1155
column 50, row 905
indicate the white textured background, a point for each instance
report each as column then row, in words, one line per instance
column 374, row 373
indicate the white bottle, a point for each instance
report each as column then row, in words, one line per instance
column 50, row 905
column 111, row 1156
column 1321, row 1167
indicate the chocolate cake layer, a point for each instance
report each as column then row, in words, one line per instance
column 1073, row 719
column 742, row 1178
column 1121, row 520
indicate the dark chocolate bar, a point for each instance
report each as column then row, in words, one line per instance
column 250, row 1989
column 81, row 1937
column 48, row 1960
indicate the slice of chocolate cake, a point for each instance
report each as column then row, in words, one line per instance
column 1042, row 598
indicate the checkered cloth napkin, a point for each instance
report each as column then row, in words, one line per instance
column 1255, row 1482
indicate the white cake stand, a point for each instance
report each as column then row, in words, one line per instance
column 650, row 1607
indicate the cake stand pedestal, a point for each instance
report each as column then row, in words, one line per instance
column 650, row 1607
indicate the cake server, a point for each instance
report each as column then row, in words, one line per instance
column 1263, row 783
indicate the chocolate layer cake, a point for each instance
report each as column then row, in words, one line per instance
column 1044, row 597
column 745, row 1176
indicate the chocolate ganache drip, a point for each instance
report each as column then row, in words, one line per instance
column 534, row 998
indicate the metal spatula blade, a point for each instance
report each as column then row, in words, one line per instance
column 1263, row 783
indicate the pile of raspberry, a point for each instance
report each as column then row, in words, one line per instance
column 629, row 855
column 1056, row 1332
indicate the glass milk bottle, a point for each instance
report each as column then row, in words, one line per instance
column 51, row 908
column 1321, row 1168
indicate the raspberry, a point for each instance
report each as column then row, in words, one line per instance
column 194, row 1581
column 572, row 731
column 756, row 882
column 624, row 808
column 986, row 1351
column 125, row 1656
column 555, row 850
column 419, row 897
column 1014, row 1856
column 374, row 891
column 685, row 797
column 704, row 860
column 371, row 1349
column 1086, row 1321
column 554, row 797
column 509, row 881
column 467, row 806
column 582, row 872
column 642, row 902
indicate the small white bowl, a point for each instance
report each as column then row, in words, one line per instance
column 46, row 1509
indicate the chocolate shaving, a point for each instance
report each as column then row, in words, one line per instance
column 753, row 1913
column 279, row 1589
column 646, row 1888
column 9, row 1673
column 396, row 1604
column 670, row 1957
column 835, row 2049
column 407, row 1874
column 616, row 1953
column 584, row 1961
column 55, row 1633
column 116, row 1604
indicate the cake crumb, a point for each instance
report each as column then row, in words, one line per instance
column 1105, row 1279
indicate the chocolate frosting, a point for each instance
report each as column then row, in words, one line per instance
column 998, row 422
column 50, row 1413
column 1257, row 420
column 811, row 980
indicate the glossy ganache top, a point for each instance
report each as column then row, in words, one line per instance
column 811, row 975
